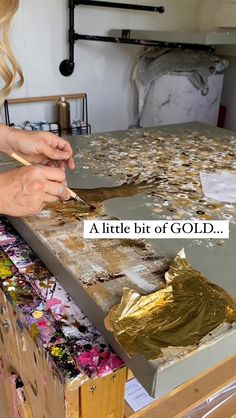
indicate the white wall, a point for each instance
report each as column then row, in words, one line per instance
column 216, row 14
column 208, row 10
column 102, row 70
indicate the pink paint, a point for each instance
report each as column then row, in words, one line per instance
column 52, row 302
column 109, row 362
column 89, row 358
column 42, row 323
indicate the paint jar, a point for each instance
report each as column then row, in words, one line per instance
column 76, row 126
column 63, row 115
column 33, row 126
column 28, row 126
column 45, row 127
column 54, row 128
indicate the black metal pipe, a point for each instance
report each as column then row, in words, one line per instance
column 67, row 66
column 7, row 115
column 95, row 3
column 130, row 41
column 71, row 30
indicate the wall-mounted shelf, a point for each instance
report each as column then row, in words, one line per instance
column 197, row 39
column 67, row 66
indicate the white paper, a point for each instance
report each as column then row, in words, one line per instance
column 219, row 186
column 136, row 396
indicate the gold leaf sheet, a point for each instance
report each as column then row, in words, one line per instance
column 180, row 315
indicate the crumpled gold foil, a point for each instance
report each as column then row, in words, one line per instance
column 180, row 315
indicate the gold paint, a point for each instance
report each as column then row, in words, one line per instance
column 73, row 243
column 4, row 271
column 180, row 315
column 34, row 331
column 206, row 217
column 98, row 292
column 72, row 209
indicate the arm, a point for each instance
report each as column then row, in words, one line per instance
column 37, row 147
column 27, row 190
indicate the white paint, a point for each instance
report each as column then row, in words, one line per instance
column 134, row 275
column 102, row 70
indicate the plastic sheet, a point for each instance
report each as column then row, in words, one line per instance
column 215, row 404
column 197, row 66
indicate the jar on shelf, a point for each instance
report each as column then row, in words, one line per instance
column 63, row 115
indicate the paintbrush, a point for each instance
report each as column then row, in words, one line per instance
column 73, row 195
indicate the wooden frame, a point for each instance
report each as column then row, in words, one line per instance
column 46, row 98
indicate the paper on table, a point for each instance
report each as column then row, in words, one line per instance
column 219, row 186
column 136, row 396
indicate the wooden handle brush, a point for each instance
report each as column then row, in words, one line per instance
column 73, row 195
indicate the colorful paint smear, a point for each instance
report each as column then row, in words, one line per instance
column 51, row 316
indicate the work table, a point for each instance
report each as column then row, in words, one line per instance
column 138, row 174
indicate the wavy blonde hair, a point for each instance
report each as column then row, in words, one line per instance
column 10, row 72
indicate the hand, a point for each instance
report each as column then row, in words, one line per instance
column 26, row 190
column 37, row 147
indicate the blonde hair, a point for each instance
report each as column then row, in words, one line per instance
column 10, row 71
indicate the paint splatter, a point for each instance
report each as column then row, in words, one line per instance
column 53, row 319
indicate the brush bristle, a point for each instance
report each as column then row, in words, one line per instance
column 79, row 200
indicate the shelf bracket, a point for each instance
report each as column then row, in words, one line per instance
column 67, row 66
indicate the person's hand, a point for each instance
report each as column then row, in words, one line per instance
column 26, row 190
column 38, row 147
